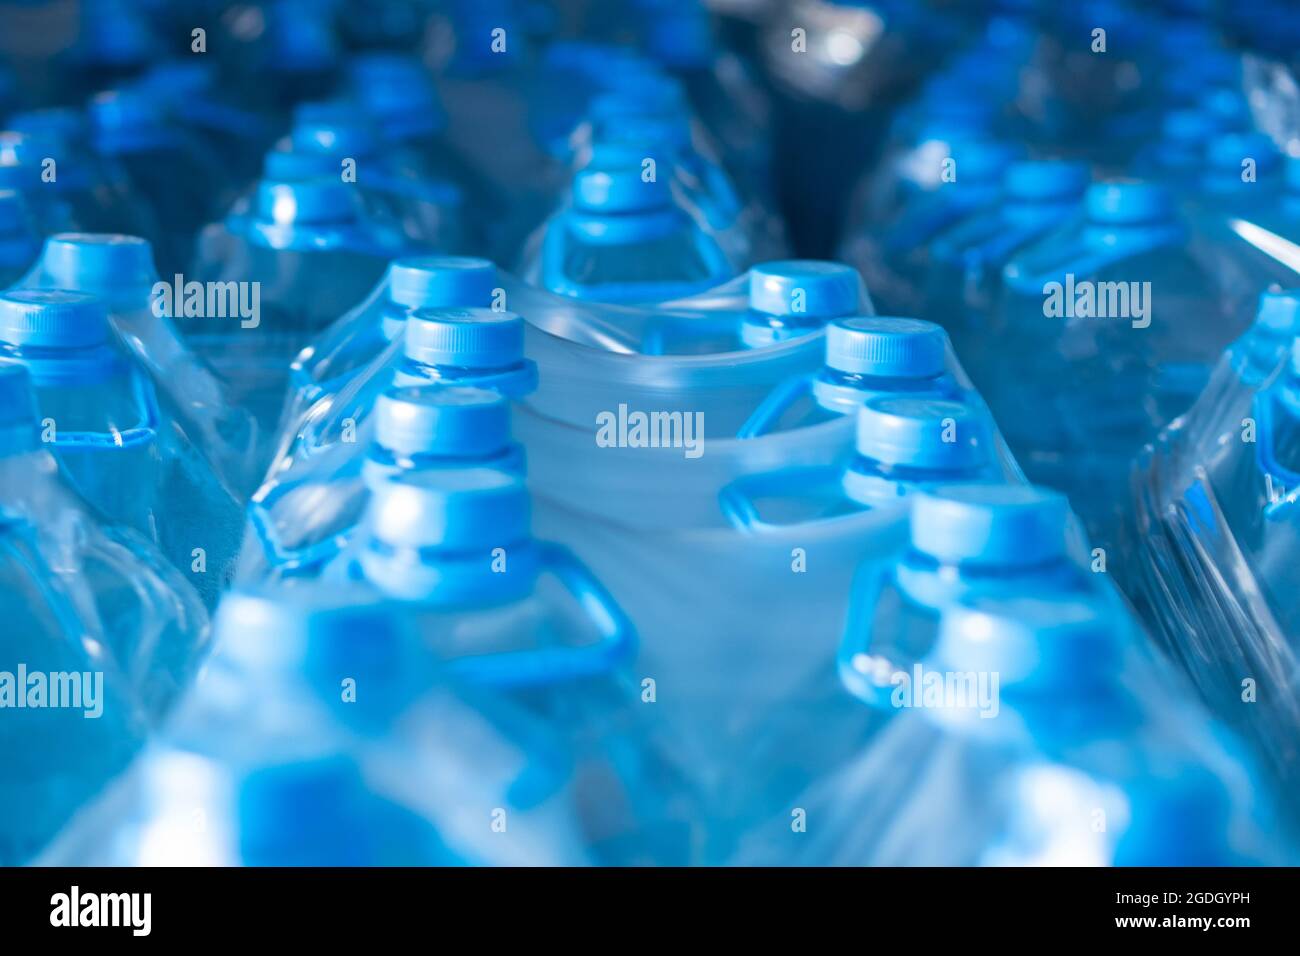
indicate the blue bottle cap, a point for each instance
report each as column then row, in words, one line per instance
column 178, row 79
column 1127, row 202
column 465, row 338
column 952, row 117
column 28, row 149
column 336, row 137
column 681, row 38
column 1227, row 104
column 313, row 112
column 19, row 418
column 52, row 318
column 982, row 160
column 825, row 290
column 314, row 201
column 1045, row 180
column 452, row 509
column 1278, row 313
column 128, row 109
column 393, row 86
column 95, row 262
column 286, row 164
column 584, row 57
column 885, row 346
column 618, row 189
column 1004, row 525
column 442, row 281
column 287, row 810
column 606, row 153
column 59, row 122
column 1226, row 152
column 1049, row 644
column 650, row 133
column 264, row 630
column 638, row 91
column 443, row 421
column 912, row 431
column 1190, row 127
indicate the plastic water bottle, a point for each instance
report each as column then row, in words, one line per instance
column 297, row 49
column 397, row 93
column 988, row 540
column 745, row 232
column 793, row 297
column 301, row 519
column 113, row 438
column 624, row 240
column 966, row 261
column 78, row 579
column 904, row 443
column 772, row 303
column 311, row 253
column 1113, row 306
column 1242, row 210
column 455, row 547
column 132, row 131
column 236, row 133
column 64, row 185
column 866, row 357
column 894, row 257
column 1080, row 722
column 113, row 39
column 474, row 347
column 426, row 208
column 479, row 347
column 119, row 271
column 367, row 332
column 569, row 74
column 56, row 759
column 19, row 240
column 401, row 769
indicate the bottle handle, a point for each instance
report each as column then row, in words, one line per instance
column 143, row 432
column 864, row 673
column 1282, row 484
column 554, row 665
column 770, row 409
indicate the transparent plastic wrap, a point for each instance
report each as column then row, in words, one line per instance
column 1122, row 315
column 117, row 443
column 119, row 270
column 766, row 598
column 503, row 610
column 77, row 722
column 1084, row 752
column 300, row 521
column 719, row 354
column 1214, row 499
column 280, row 768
